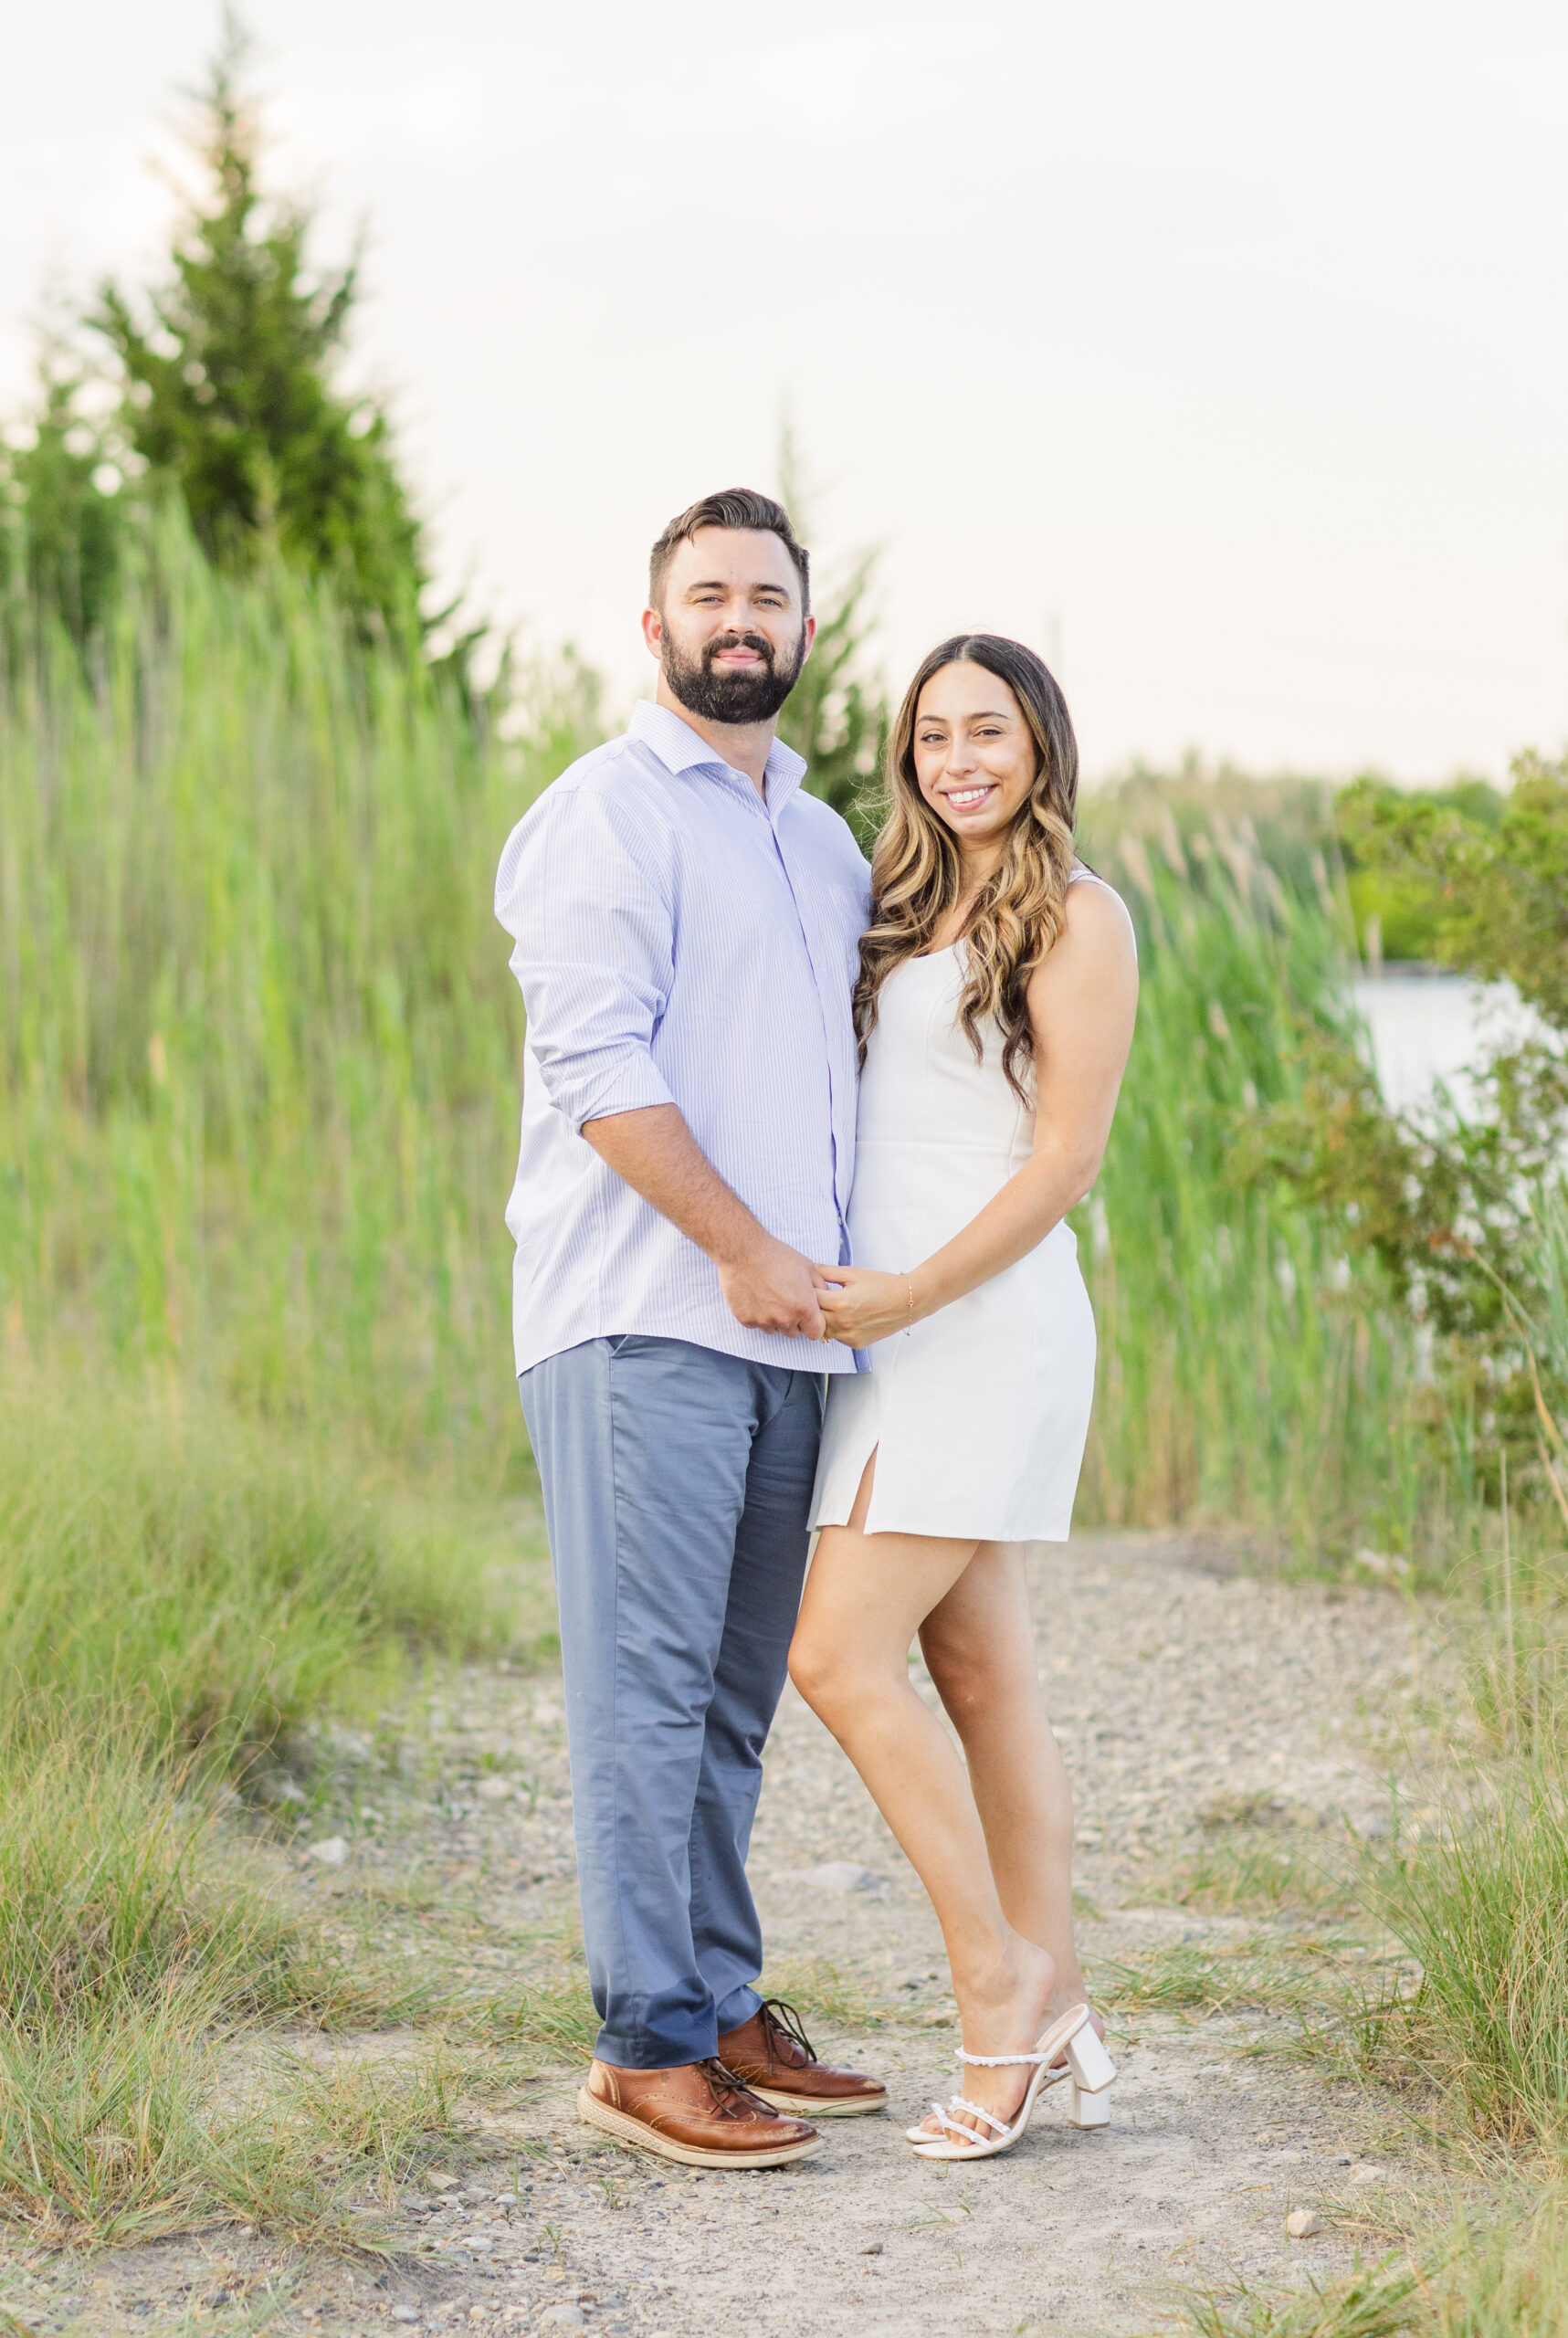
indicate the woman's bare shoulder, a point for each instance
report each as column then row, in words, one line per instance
column 1096, row 914
column 1091, row 969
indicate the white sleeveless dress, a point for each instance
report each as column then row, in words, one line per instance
column 978, row 1416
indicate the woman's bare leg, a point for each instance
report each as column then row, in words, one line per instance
column 978, row 1644
column 865, row 1599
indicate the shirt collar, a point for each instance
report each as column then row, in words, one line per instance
column 679, row 749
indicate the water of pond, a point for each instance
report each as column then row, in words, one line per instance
column 1425, row 1028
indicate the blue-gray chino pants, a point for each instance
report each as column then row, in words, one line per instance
column 676, row 1486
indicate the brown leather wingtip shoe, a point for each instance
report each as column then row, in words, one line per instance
column 778, row 2061
column 698, row 2113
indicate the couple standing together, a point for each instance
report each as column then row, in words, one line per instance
column 798, row 1142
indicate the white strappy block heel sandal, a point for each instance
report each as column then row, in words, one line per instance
column 1088, row 2066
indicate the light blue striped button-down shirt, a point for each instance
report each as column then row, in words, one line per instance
column 678, row 942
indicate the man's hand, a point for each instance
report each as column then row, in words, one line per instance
column 766, row 1285
column 771, row 1287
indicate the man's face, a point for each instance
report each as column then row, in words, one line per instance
column 729, row 637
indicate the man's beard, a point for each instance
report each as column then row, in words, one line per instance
column 754, row 695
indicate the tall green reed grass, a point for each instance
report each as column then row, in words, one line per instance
column 259, row 1054
column 1250, row 1370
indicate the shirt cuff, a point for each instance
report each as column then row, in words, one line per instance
column 631, row 1086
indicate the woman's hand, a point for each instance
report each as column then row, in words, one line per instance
column 861, row 1306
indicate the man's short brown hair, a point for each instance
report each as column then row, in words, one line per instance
column 734, row 507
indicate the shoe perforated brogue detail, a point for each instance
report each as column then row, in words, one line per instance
column 699, row 2114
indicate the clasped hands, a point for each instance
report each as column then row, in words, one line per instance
column 772, row 1288
column 861, row 1306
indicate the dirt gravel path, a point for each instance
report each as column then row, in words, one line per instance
column 1205, row 1715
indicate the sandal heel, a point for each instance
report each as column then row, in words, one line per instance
column 1092, row 2071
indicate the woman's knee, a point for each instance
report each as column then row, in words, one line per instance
column 812, row 1667
column 972, row 1674
column 829, row 1673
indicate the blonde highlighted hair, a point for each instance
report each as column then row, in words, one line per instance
column 917, row 871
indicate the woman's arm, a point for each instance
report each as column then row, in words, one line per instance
column 1082, row 1002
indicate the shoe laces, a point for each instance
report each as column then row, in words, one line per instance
column 724, row 2082
column 779, row 2016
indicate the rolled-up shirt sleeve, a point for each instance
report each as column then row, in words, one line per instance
column 594, row 955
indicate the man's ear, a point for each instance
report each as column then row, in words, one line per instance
column 808, row 634
column 653, row 631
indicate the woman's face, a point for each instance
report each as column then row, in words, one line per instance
column 974, row 756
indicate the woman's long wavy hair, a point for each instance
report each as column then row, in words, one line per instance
column 917, row 873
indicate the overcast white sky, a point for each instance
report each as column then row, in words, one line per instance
column 1219, row 348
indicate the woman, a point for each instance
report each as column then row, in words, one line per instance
column 998, row 985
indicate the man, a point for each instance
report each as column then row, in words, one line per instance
column 687, row 923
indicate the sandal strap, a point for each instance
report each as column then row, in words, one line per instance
column 976, row 2109
column 996, row 2061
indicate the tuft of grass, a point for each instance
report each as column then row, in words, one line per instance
column 207, row 1575
column 157, row 2117
column 117, row 1884
column 552, row 2013
column 1261, row 1874
column 1271, row 1972
column 1477, row 1902
column 146, row 1950
column 1508, row 2278
column 1378, row 2301
column 1516, row 1661
column 1501, row 2272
